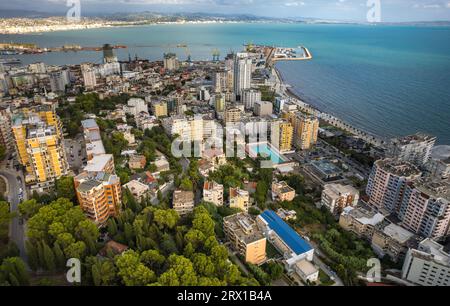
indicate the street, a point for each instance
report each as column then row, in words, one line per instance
column 17, row 231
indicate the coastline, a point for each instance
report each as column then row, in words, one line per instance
column 329, row 118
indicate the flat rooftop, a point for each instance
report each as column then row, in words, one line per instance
column 398, row 167
column 296, row 243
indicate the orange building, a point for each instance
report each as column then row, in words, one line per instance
column 99, row 195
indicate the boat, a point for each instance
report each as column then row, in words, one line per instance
column 10, row 61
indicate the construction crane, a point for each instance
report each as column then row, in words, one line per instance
column 188, row 53
column 216, row 55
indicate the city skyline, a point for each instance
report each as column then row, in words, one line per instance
column 348, row 10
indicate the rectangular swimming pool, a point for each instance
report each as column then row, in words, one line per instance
column 265, row 150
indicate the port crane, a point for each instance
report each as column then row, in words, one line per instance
column 216, row 55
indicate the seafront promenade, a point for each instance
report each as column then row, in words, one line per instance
column 284, row 91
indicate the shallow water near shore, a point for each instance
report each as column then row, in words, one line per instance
column 388, row 80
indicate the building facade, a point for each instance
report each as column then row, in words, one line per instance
column 336, row 197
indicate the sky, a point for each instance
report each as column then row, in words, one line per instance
column 352, row 10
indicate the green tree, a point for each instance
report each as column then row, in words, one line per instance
column 166, row 218
column 132, row 271
column 5, row 218
column 65, row 188
column 29, row 208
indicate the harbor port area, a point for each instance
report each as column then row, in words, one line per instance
column 26, row 48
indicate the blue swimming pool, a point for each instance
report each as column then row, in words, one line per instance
column 265, row 150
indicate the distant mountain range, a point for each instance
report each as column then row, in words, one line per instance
column 149, row 17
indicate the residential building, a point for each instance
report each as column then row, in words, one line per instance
column 233, row 115
column 306, row 129
column 250, row 97
column 159, row 109
column 263, row 108
column 282, row 133
column 427, row 265
column 6, row 136
column 183, row 202
column 287, row 215
column 99, row 195
column 92, row 139
column 391, row 240
column 101, row 163
column 242, row 74
column 137, row 162
column 213, row 193
column 161, row 163
column 336, row 197
column 89, row 78
column 245, row 237
column 219, row 80
column 139, row 190
column 136, row 106
column 171, row 62
column 40, row 145
column 439, row 168
column 415, row 149
column 240, row 199
column 281, row 191
column 59, row 80
column 425, row 208
column 387, row 183
column 360, row 220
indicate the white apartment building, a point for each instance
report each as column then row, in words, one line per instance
column 387, row 183
column 428, row 265
column 415, row 149
column 242, row 74
column 136, row 106
column 89, row 78
column 425, row 208
column 213, row 193
column 250, row 97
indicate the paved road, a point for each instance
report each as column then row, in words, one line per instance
column 17, row 232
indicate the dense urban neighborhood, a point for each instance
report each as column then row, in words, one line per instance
column 208, row 173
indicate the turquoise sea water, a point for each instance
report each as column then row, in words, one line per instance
column 388, row 80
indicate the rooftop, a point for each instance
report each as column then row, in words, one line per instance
column 415, row 138
column 363, row 216
column 398, row 167
column 297, row 244
column 398, row 233
column 98, row 163
column 89, row 124
column 244, row 226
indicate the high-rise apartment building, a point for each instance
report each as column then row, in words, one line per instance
column 250, row 97
column 171, row 61
column 59, row 80
column 242, row 74
column 427, row 265
column 336, row 197
column 282, row 134
column 425, row 208
column 89, row 77
column 40, row 145
column 306, row 129
column 415, row 149
column 387, row 183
